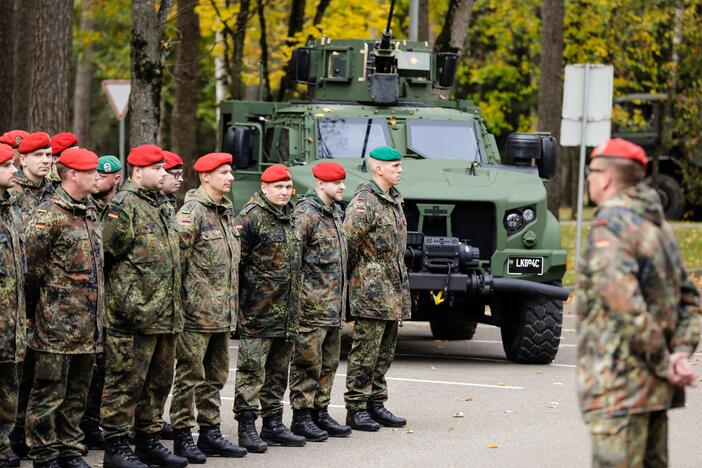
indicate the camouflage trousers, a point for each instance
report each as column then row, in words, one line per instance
column 630, row 441
column 261, row 375
column 313, row 366
column 25, row 376
column 91, row 418
column 202, row 369
column 56, row 405
column 138, row 378
column 372, row 352
column 8, row 406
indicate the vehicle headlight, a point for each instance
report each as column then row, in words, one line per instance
column 514, row 222
column 528, row 215
column 516, row 218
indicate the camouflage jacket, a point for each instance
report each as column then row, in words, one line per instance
column 13, row 335
column 324, row 262
column 209, row 244
column 99, row 205
column 142, row 261
column 376, row 231
column 635, row 305
column 270, row 270
column 64, row 283
column 30, row 195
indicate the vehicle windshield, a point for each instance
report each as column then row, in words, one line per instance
column 348, row 138
column 443, row 139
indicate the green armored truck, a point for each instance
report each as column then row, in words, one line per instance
column 479, row 232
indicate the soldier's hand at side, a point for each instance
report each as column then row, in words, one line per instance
column 680, row 372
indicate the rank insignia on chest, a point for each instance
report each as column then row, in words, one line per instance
column 40, row 225
column 185, row 222
column 112, row 214
column 361, row 209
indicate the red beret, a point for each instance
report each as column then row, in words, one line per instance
column 275, row 173
column 79, row 159
column 6, row 152
column 61, row 141
column 35, row 141
column 172, row 160
column 212, row 161
column 13, row 137
column 620, row 148
column 329, row 171
column 145, row 155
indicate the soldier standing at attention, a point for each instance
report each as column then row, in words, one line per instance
column 210, row 254
column 13, row 335
column 174, row 177
column 59, row 143
column 110, row 175
column 322, row 304
column 637, row 311
column 65, row 285
column 376, row 231
column 270, row 298
column 144, row 315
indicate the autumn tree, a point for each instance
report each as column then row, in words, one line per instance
column 24, row 13
column 7, row 75
column 452, row 37
column 295, row 25
column 84, row 76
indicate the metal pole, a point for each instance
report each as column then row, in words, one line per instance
column 414, row 20
column 121, row 146
column 581, row 168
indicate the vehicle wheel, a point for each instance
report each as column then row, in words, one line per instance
column 453, row 328
column 533, row 334
column 671, row 196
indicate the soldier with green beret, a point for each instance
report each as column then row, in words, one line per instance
column 376, row 232
column 110, row 172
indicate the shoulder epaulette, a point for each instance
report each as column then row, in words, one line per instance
column 119, row 198
column 247, row 208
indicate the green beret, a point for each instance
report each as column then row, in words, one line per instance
column 385, row 153
column 109, row 164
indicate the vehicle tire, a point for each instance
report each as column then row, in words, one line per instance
column 671, row 197
column 534, row 336
column 453, row 328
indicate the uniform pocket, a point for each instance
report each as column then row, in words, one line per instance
column 384, row 235
column 79, row 256
column 5, row 250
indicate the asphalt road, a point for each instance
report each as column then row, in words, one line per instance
column 466, row 406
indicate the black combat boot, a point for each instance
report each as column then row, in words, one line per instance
column 212, row 442
column 13, row 461
column 274, row 432
column 20, row 448
column 167, row 431
column 324, row 421
column 73, row 462
column 377, row 411
column 93, row 437
column 47, row 464
column 183, row 446
column 248, row 437
column 302, row 425
column 361, row 421
column 150, row 450
column 118, row 454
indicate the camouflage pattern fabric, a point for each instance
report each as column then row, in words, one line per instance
column 56, row 405
column 8, row 406
column 635, row 305
column 65, row 286
column 142, row 261
column 324, row 262
column 91, row 417
column 313, row 366
column 99, row 205
column 210, row 254
column 138, row 378
column 270, row 265
column 30, row 195
column 262, row 374
column 376, row 232
column 201, row 372
column 13, row 338
column 372, row 352
column 632, row 440
column 25, row 376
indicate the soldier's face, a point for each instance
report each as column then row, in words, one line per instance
column 152, row 177
column 86, row 181
column 391, row 172
column 37, row 164
column 598, row 179
column 220, row 180
column 106, row 182
column 334, row 190
column 278, row 193
column 172, row 181
column 8, row 174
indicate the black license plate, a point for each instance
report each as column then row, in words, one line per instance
column 525, row 265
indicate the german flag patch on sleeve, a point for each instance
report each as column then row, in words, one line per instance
column 112, row 214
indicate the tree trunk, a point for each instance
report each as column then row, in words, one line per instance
column 84, row 79
column 295, row 25
column 185, row 82
column 452, row 37
column 237, row 61
column 263, row 44
column 24, row 13
column 424, row 29
column 551, row 85
column 53, row 41
column 321, row 8
column 147, row 70
column 7, row 33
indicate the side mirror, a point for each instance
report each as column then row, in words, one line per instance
column 549, row 157
column 446, row 65
column 300, row 64
column 237, row 141
column 521, row 149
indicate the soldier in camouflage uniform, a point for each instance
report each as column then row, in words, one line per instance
column 12, row 309
column 638, row 315
column 110, row 172
column 210, row 254
column 174, row 177
column 65, row 289
column 318, row 220
column 376, row 231
column 144, row 314
column 59, row 143
column 13, row 138
column 270, row 296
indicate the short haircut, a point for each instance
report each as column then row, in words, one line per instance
column 130, row 169
column 626, row 172
column 62, row 170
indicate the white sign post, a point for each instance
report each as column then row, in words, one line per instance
column 117, row 92
column 586, row 118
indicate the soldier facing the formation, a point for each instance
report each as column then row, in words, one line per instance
column 638, row 314
column 376, row 232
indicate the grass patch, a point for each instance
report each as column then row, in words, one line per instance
column 689, row 237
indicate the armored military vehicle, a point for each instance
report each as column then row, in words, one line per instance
column 479, row 232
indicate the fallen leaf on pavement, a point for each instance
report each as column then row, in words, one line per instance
column 557, row 383
column 553, row 404
column 509, row 411
column 539, row 372
column 464, row 399
column 458, row 415
column 409, row 431
column 492, row 446
column 501, row 384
